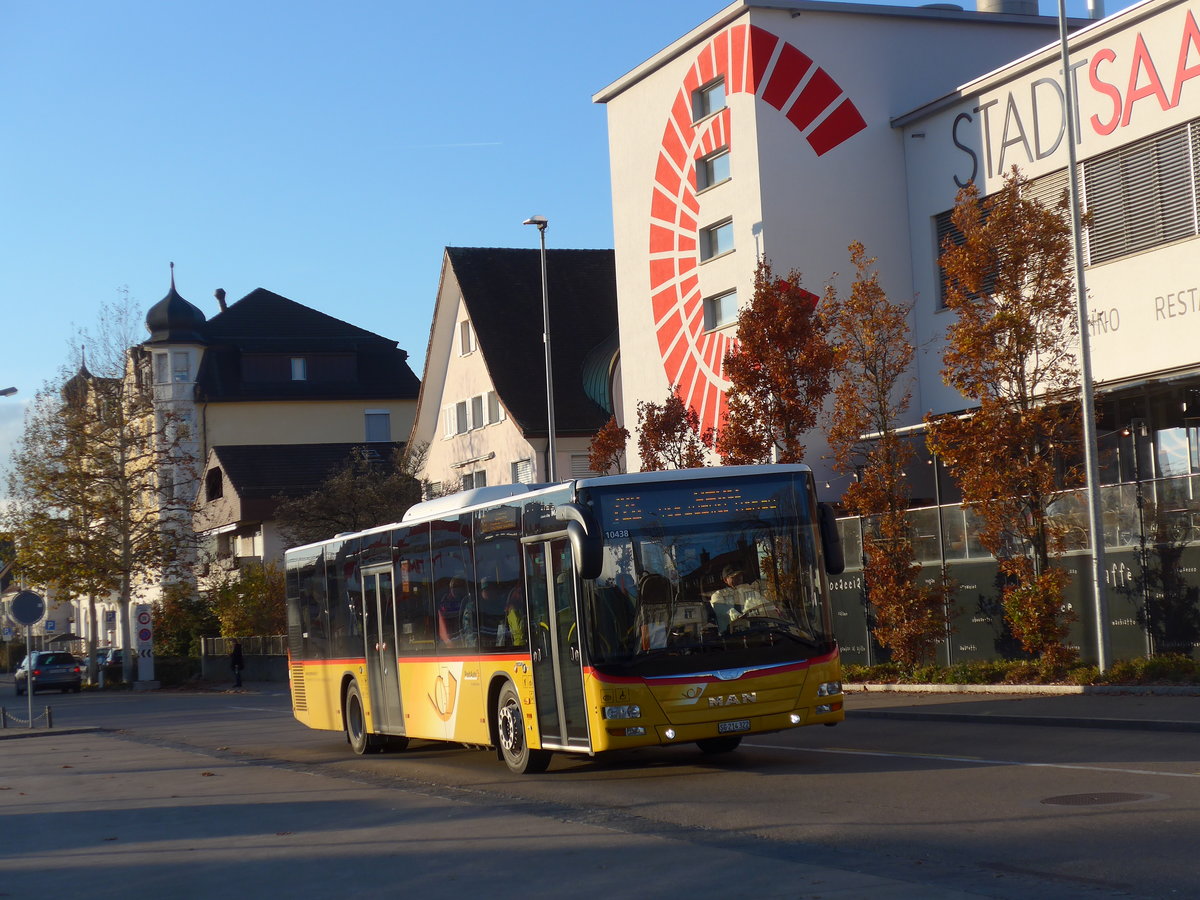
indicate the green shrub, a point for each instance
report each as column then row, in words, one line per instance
column 1165, row 669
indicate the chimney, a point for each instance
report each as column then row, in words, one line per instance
column 219, row 293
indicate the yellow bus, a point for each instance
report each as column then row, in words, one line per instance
column 598, row 614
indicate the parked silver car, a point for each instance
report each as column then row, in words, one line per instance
column 51, row 669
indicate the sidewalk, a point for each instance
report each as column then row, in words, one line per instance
column 1175, row 708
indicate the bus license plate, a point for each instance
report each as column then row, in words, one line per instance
column 735, row 725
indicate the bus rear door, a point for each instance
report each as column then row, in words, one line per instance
column 382, row 678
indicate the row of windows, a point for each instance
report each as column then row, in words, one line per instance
column 457, row 584
column 1140, row 196
column 716, row 239
column 176, row 366
column 467, row 415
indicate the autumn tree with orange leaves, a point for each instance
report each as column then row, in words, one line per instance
column 1010, row 282
column 872, row 391
column 606, row 453
column 779, row 373
column 669, row 435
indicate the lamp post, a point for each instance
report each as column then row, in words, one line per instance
column 551, row 470
column 1090, row 450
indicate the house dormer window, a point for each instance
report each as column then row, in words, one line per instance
column 299, row 368
column 466, row 338
column 214, row 485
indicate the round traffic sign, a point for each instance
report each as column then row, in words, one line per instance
column 144, row 617
column 27, row 608
column 144, row 635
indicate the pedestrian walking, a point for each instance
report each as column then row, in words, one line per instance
column 237, row 662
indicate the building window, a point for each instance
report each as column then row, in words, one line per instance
column 462, row 417
column 181, row 365
column 708, row 99
column 495, row 411
column 581, row 466
column 378, row 425
column 161, row 362
column 522, row 471
column 1141, row 195
column 435, row 490
column 472, row 480
column 716, row 240
column 299, row 368
column 720, row 310
column 712, row 169
column 477, row 412
column 214, row 485
column 466, row 338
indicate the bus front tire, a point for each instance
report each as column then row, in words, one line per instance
column 725, row 744
column 361, row 741
column 510, row 734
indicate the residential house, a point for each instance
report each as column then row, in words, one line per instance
column 483, row 408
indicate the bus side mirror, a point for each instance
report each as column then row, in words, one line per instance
column 586, row 546
column 831, row 540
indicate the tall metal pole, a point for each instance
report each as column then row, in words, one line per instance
column 551, row 468
column 1091, row 468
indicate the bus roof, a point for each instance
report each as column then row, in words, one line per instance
column 466, row 501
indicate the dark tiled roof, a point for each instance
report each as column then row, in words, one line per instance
column 265, row 322
column 263, row 472
column 502, row 289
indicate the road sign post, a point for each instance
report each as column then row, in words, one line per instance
column 144, row 624
column 27, row 608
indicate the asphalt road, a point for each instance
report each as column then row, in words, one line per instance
column 941, row 808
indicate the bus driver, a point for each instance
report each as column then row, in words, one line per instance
column 737, row 598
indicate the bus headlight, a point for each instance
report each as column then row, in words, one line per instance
column 622, row 712
column 829, row 688
column 670, row 734
column 795, row 718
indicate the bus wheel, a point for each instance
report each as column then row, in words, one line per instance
column 724, row 744
column 510, row 728
column 361, row 741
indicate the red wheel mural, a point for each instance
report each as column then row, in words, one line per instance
column 752, row 61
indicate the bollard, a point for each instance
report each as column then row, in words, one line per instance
column 3, row 717
column 49, row 717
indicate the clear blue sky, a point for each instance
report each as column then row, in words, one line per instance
column 327, row 152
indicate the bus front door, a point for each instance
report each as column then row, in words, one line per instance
column 382, row 678
column 554, row 644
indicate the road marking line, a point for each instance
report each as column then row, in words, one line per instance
column 974, row 759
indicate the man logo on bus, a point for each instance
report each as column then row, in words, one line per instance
column 445, row 691
column 733, row 699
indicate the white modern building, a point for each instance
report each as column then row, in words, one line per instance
column 789, row 129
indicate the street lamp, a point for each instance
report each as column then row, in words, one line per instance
column 541, row 222
column 7, row 392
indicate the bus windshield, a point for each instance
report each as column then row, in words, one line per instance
column 727, row 569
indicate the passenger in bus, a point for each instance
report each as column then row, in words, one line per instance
column 491, row 614
column 456, row 613
column 514, row 616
